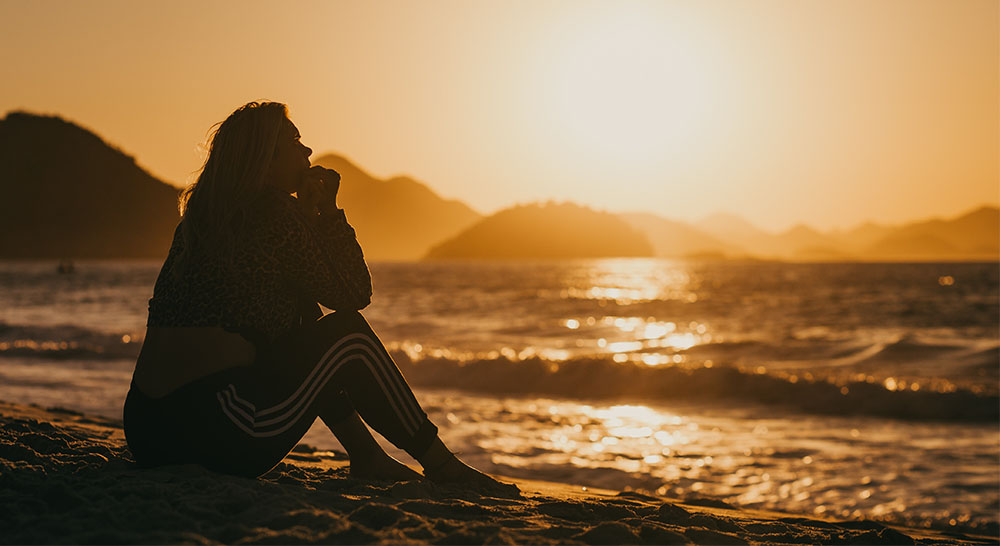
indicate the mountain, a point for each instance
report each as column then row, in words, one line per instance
column 560, row 231
column 737, row 231
column 727, row 226
column 862, row 236
column 804, row 242
column 972, row 236
column 68, row 194
column 398, row 218
column 903, row 246
column 677, row 239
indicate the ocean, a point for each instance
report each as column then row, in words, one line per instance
column 847, row 390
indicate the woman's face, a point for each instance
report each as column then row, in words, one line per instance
column 291, row 160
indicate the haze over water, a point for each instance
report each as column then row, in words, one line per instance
column 527, row 365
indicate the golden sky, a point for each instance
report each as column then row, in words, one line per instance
column 828, row 113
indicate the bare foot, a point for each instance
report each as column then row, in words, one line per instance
column 383, row 467
column 456, row 472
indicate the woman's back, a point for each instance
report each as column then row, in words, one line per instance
column 175, row 356
column 211, row 315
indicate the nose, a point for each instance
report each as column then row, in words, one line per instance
column 307, row 150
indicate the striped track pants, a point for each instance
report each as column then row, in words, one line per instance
column 354, row 348
column 245, row 420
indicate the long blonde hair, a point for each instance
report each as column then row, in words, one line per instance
column 214, row 209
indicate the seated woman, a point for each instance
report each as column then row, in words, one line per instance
column 237, row 362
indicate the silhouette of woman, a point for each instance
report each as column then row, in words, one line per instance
column 237, row 361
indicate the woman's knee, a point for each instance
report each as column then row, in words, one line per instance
column 343, row 317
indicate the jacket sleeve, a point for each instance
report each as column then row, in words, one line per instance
column 322, row 259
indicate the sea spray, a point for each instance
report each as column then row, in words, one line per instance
column 603, row 378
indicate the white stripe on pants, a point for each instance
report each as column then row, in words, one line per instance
column 352, row 347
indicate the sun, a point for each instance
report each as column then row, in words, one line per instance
column 630, row 87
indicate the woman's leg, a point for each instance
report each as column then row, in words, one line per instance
column 343, row 366
column 245, row 420
column 368, row 459
column 381, row 395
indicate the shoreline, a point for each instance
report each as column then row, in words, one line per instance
column 68, row 477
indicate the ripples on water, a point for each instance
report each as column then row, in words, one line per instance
column 904, row 330
column 899, row 325
column 918, row 473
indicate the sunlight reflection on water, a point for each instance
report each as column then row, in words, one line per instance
column 840, row 467
column 632, row 280
column 788, row 318
column 625, row 338
column 900, row 330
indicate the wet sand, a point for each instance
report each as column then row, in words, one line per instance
column 66, row 477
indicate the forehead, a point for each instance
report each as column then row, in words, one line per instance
column 289, row 128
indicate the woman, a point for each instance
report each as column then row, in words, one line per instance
column 237, row 363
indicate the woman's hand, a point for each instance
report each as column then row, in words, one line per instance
column 319, row 190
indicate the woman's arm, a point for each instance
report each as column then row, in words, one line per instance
column 341, row 242
column 320, row 255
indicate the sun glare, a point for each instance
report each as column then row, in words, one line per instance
column 627, row 86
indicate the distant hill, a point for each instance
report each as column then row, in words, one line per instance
column 536, row 231
column 971, row 236
column 68, row 194
column 733, row 229
column 861, row 237
column 399, row 218
column 677, row 239
column 737, row 231
column 798, row 242
column 804, row 242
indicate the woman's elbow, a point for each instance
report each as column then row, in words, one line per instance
column 362, row 302
column 362, row 298
column 349, row 301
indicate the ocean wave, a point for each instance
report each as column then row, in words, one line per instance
column 850, row 350
column 830, row 379
column 65, row 342
column 597, row 378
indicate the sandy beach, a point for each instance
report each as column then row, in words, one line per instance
column 66, row 477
